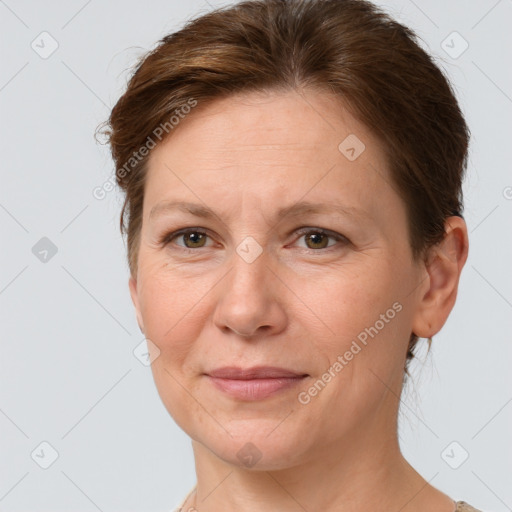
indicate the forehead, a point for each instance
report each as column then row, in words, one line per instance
column 270, row 149
column 283, row 121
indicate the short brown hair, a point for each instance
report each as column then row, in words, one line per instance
column 348, row 47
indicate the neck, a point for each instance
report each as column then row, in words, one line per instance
column 367, row 473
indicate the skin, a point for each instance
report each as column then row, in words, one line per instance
column 298, row 305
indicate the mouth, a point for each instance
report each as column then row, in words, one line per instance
column 256, row 383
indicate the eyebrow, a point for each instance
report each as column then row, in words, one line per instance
column 294, row 210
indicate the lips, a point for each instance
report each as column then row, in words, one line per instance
column 254, row 383
column 256, row 372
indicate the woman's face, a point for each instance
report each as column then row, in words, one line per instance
column 256, row 284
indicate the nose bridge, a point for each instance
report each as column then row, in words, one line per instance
column 247, row 301
column 250, row 268
column 252, row 257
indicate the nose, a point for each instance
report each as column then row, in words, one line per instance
column 250, row 299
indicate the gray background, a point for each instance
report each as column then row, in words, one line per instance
column 69, row 376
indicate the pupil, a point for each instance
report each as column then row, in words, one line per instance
column 194, row 238
column 316, row 238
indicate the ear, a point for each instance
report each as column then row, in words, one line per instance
column 443, row 267
column 132, row 284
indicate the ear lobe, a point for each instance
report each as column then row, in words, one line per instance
column 132, row 284
column 444, row 265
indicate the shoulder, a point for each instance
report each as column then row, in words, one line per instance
column 462, row 506
column 179, row 508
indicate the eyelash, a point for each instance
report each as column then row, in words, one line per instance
column 169, row 237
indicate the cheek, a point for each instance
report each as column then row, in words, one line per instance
column 368, row 319
column 174, row 315
column 173, row 310
column 336, row 305
column 347, row 300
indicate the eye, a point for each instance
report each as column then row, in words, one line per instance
column 318, row 238
column 192, row 238
column 315, row 238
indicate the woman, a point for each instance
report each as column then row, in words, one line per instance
column 292, row 175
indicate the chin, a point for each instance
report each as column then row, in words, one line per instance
column 257, row 445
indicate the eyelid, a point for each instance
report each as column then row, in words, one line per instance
column 323, row 231
column 167, row 238
column 326, row 232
